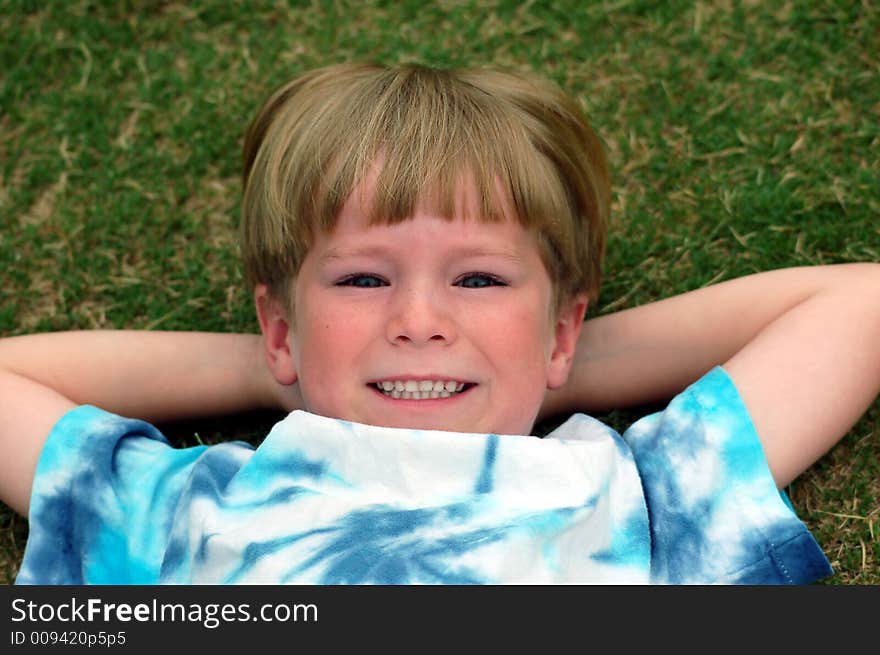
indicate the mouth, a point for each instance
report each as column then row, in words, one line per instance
column 427, row 389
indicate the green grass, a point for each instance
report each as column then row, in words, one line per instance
column 742, row 137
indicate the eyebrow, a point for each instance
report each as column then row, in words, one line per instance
column 360, row 251
column 380, row 251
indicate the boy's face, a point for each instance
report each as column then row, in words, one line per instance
column 462, row 305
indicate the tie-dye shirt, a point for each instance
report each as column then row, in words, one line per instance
column 684, row 496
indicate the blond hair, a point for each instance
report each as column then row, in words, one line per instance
column 317, row 136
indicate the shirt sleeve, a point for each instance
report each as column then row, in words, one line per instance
column 715, row 513
column 102, row 501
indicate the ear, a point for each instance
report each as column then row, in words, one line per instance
column 275, row 326
column 567, row 329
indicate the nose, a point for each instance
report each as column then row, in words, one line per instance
column 419, row 317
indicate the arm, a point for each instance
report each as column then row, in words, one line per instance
column 156, row 376
column 800, row 344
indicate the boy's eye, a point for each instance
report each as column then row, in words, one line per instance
column 361, row 280
column 479, row 281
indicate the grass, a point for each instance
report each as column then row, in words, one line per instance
column 742, row 137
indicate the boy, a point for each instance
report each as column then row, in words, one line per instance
column 423, row 246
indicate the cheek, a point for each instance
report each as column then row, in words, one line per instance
column 326, row 346
column 524, row 338
column 520, row 364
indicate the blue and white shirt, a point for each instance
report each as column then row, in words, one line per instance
column 684, row 496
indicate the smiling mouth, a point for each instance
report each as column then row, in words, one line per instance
column 421, row 389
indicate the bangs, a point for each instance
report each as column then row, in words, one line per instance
column 427, row 134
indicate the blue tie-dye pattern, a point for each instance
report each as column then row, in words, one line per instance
column 553, row 523
column 628, row 545
column 371, row 546
column 484, row 482
column 256, row 551
column 114, row 503
column 208, row 482
column 685, row 546
column 381, row 545
column 54, row 554
column 677, row 527
column 91, row 525
column 290, row 465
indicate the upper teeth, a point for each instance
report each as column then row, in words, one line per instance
column 419, row 389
